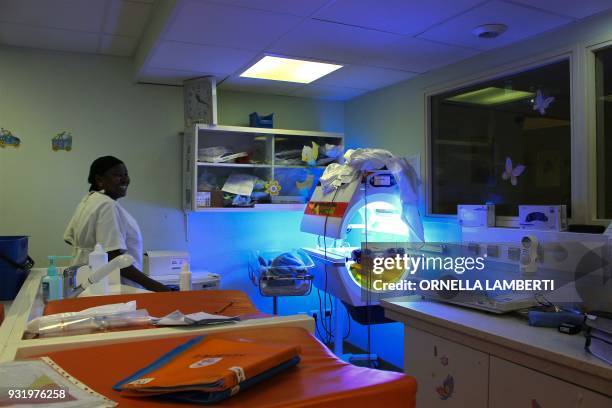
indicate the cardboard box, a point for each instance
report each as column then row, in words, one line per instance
column 543, row 217
column 476, row 215
column 209, row 198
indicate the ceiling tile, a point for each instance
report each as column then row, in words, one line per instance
column 418, row 55
column 117, row 45
column 333, row 42
column 522, row 22
column 334, row 93
column 81, row 15
column 295, row 7
column 170, row 76
column 408, row 17
column 199, row 58
column 237, row 83
column 227, row 26
column 126, row 18
column 364, row 77
column 570, row 8
column 47, row 38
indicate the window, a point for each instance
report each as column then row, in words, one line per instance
column 603, row 83
column 505, row 141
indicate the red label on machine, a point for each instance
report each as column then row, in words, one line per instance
column 326, row 209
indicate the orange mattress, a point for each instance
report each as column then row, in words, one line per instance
column 226, row 302
column 319, row 380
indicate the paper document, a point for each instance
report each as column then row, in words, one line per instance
column 42, row 383
column 177, row 318
column 241, row 184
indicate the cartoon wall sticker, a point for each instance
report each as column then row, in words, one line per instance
column 8, row 139
column 446, row 390
column 62, row 141
column 272, row 187
column 512, row 173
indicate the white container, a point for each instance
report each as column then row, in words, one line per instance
column 476, row 215
column 543, row 217
column 185, row 278
column 161, row 263
column 97, row 259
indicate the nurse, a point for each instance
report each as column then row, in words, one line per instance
column 99, row 218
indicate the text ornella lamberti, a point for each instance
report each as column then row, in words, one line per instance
column 458, row 265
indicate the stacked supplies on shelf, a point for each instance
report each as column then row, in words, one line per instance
column 206, row 370
column 599, row 336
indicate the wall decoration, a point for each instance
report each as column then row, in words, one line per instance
column 62, row 141
column 446, row 390
column 306, row 184
column 540, row 103
column 512, row 173
column 444, row 361
column 200, row 100
column 272, row 187
column 310, row 154
column 8, row 139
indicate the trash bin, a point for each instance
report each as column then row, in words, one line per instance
column 14, row 265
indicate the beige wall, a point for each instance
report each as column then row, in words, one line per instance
column 42, row 93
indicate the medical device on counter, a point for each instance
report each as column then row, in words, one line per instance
column 162, row 263
column 120, row 262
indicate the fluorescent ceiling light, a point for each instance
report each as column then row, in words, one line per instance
column 491, row 96
column 289, row 70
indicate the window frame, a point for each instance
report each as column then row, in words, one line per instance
column 589, row 51
column 580, row 177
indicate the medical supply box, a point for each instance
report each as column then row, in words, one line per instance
column 159, row 263
column 209, row 198
column 543, row 217
column 476, row 215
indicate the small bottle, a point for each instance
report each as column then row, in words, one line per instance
column 97, row 259
column 185, row 278
column 51, row 284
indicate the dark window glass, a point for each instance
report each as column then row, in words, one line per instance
column 603, row 71
column 506, row 141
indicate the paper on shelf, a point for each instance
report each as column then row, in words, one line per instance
column 241, row 184
column 177, row 318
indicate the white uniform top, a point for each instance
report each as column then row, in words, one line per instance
column 100, row 219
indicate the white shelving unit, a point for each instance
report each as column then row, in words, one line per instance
column 262, row 144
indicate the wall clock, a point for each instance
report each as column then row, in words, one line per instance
column 200, row 99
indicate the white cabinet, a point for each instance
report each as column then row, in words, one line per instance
column 271, row 155
column 448, row 374
column 512, row 385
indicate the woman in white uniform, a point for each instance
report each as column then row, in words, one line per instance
column 99, row 218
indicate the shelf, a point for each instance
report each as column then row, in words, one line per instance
column 257, row 208
column 235, row 165
column 267, row 131
column 295, row 166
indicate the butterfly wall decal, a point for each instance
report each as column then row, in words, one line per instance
column 540, row 103
column 448, row 387
column 512, row 173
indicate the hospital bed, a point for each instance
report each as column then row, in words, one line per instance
column 28, row 305
column 319, row 380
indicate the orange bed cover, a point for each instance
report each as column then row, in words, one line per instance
column 319, row 380
column 225, row 302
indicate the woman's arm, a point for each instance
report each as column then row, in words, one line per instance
column 132, row 273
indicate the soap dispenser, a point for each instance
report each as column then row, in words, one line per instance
column 52, row 283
